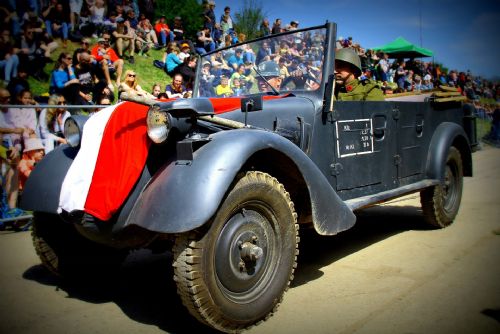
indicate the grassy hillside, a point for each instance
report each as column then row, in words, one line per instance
column 147, row 73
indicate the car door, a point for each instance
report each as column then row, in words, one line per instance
column 365, row 147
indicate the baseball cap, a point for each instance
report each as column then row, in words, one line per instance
column 184, row 45
column 120, row 19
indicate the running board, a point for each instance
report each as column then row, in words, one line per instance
column 361, row 202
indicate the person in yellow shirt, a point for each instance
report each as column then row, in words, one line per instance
column 223, row 89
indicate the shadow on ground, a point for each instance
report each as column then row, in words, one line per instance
column 372, row 225
column 145, row 290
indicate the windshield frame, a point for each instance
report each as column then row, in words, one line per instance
column 325, row 70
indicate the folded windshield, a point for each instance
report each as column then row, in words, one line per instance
column 282, row 63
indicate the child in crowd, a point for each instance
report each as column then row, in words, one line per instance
column 223, row 89
column 32, row 154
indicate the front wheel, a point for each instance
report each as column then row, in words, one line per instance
column 440, row 203
column 235, row 274
column 66, row 253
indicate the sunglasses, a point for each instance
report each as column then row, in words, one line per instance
column 86, row 43
column 4, row 98
column 132, row 75
column 61, row 103
column 69, row 58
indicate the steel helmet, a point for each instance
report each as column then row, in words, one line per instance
column 348, row 55
column 269, row 68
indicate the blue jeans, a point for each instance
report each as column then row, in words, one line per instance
column 163, row 37
column 208, row 48
column 201, row 51
column 61, row 31
column 10, row 66
column 249, row 57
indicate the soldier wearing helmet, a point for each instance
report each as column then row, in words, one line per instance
column 271, row 71
column 348, row 86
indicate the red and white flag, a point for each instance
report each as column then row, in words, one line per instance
column 112, row 155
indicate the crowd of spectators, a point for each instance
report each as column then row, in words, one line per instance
column 110, row 33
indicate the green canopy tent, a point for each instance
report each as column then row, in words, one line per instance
column 401, row 48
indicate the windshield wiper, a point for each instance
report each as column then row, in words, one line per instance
column 275, row 91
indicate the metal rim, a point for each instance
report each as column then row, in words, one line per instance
column 246, row 252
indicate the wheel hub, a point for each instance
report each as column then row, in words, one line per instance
column 244, row 251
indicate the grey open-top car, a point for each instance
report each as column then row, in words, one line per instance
column 228, row 178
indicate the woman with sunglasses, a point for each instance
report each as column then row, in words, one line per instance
column 63, row 80
column 130, row 85
column 51, row 123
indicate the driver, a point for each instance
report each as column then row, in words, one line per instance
column 271, row 72
column 348, row 86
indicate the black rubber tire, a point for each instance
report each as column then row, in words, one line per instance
column 67, row 254
column 208, row 266
column 440, row 203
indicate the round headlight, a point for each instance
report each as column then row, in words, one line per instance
column 159, row 124
column 72, row 132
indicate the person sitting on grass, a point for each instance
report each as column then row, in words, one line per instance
column 223, row 89
column 125, row 39
column 130, row 85
column 176, row 89
column 51, row 123
column 109, row 60
column 171, row 58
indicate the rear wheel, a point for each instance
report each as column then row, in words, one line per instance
column 234, row 275
column 440, row 203
column 64, row 252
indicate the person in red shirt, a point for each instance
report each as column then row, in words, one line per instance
column 163, row 31
column 32, row 154
column 109, row 60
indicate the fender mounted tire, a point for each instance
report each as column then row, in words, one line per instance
column 440, row 203
column 234, row 275
column 67, row 254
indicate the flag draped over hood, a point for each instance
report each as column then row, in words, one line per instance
column 112, row 156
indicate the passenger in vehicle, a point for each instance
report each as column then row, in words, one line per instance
column 348, row 86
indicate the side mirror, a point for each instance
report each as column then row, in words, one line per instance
column 250, row 104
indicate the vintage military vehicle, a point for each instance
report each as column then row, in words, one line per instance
column 227, row 182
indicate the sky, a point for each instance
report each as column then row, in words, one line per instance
column 464, row 35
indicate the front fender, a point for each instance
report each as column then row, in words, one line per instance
column 183, row 196
column 43, row 187
column 447, row 134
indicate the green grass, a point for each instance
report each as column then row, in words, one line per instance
column 147, row 73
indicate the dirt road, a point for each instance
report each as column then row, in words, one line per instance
column 389, row 274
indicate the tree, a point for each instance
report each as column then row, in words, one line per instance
column 189, row 10
column 249, row 18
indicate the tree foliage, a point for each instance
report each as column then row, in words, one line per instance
column 189, row 10
column 249, row 18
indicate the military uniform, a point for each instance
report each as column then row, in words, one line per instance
column 360, row 90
